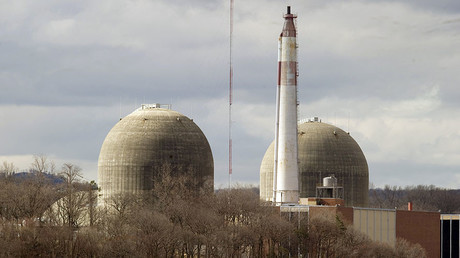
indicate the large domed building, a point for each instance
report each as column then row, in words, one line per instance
column 141, row 144
column 323, row 150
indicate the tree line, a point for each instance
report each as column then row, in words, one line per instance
column 40, row 217
column 423, row 198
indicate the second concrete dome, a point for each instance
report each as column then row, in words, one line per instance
column 323, row 150
column 140, row 144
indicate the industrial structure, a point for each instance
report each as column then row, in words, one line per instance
column 142, row 144
column 388, row 225
column 299, row 157
column 310, row 169
column 317, row 169
column 330, row 188
column 324, row 150
column 285, row 186
column 450, row 235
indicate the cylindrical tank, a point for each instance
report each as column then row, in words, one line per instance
column 140, row 145
column 323, row 150
column 330, row 181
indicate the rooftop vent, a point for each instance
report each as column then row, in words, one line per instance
column 155, row 105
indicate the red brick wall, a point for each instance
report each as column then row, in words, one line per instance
column 321, row 210
column 347, row 213
column 420, row 227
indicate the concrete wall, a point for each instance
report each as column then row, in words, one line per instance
column 378, row 224
column 144, row 144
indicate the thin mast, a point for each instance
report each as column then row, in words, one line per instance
column 230, row 100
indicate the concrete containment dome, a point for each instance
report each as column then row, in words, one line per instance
column 142, row 143
column 324, row 150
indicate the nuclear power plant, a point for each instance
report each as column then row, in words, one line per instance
column 310, row 168
column 323, row 150
column 296, row 162
column 314, row 168
column 155, row 197
column 141, row 144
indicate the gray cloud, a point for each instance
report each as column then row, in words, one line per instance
column 385, row 70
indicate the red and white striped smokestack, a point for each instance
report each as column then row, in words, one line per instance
column 285, row 177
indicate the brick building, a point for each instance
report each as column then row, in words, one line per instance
column 386, row 225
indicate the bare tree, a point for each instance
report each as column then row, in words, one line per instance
column 405, row 249
column 7, row 169
column 26, row 197
column 42, row 164
column 423, row 197
column 74, row 202
column 328, row 236
column 177, row 219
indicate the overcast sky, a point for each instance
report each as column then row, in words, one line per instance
column 387, row 71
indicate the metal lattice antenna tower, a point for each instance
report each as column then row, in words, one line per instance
column 230, row 100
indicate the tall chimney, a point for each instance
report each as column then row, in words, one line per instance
column 285, row 177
